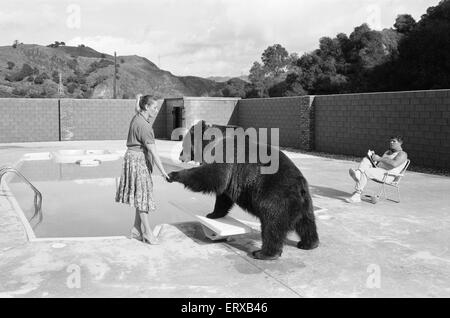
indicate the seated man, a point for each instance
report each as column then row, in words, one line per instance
column 392, row 160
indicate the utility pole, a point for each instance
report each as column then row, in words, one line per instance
column 60, row 86
column 115, row 75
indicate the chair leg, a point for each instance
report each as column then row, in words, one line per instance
column 380, row 191
column 398, row 194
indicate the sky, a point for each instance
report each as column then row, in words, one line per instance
column 196, row 37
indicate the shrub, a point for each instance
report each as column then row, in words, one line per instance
column 100, row 64
column 72, row 64
column 71, row 88
column 34, row 95
column 99, row 80
column 81, row 80
column 55, row 77
column 38, row 80
column 26, row 71
column 87, row 94
column 19, row 92
column 41, row 78
column 11, row 65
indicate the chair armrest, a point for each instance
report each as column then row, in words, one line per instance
column 392, row 174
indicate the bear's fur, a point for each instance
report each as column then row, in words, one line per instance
column 281, row 200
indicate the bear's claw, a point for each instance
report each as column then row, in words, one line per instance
column 307, row 246
column 213, row 215
column 259, row 255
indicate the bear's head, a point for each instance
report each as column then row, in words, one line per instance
column 193, row 143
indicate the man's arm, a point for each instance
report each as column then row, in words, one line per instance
column 394, row 163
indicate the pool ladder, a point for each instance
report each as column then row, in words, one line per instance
column 37, row 194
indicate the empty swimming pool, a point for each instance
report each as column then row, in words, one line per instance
column 78, row 201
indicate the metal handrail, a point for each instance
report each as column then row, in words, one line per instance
column 37, row 193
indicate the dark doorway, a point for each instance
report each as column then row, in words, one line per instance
column 178, row 118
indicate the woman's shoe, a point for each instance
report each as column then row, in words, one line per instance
column 152, row 240
column 135, row 234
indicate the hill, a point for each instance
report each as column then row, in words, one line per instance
column 222, row 79
column 31, row 70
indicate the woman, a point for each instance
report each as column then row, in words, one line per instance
column 136, row 185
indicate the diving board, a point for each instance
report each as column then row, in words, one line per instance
column 218, row 229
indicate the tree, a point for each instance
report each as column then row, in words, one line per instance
column 235, row 87
column 275, row 59
column 15, row 44
column 275, row 64
column 257, row 78
column 404, row 23
column 424, row 61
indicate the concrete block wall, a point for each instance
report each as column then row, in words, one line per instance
column 351, row 124
column 214, row 110
column 95, row 119
column 291, row 115
column 340, row 124
column 28, row 120
column 101, row 119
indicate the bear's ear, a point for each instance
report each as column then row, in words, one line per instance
column 208, row 125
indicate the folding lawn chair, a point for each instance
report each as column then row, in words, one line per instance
column 391, row 183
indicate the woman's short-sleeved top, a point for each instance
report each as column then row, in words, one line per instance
column 139, row 134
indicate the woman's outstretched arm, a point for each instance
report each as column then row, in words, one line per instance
column 152, row 151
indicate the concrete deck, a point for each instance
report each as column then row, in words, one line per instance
column 367, row 250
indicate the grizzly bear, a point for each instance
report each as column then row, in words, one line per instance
column 281, row 200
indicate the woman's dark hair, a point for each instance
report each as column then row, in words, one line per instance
column 142, row 101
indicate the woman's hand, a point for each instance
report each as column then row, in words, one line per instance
column 166, row 176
